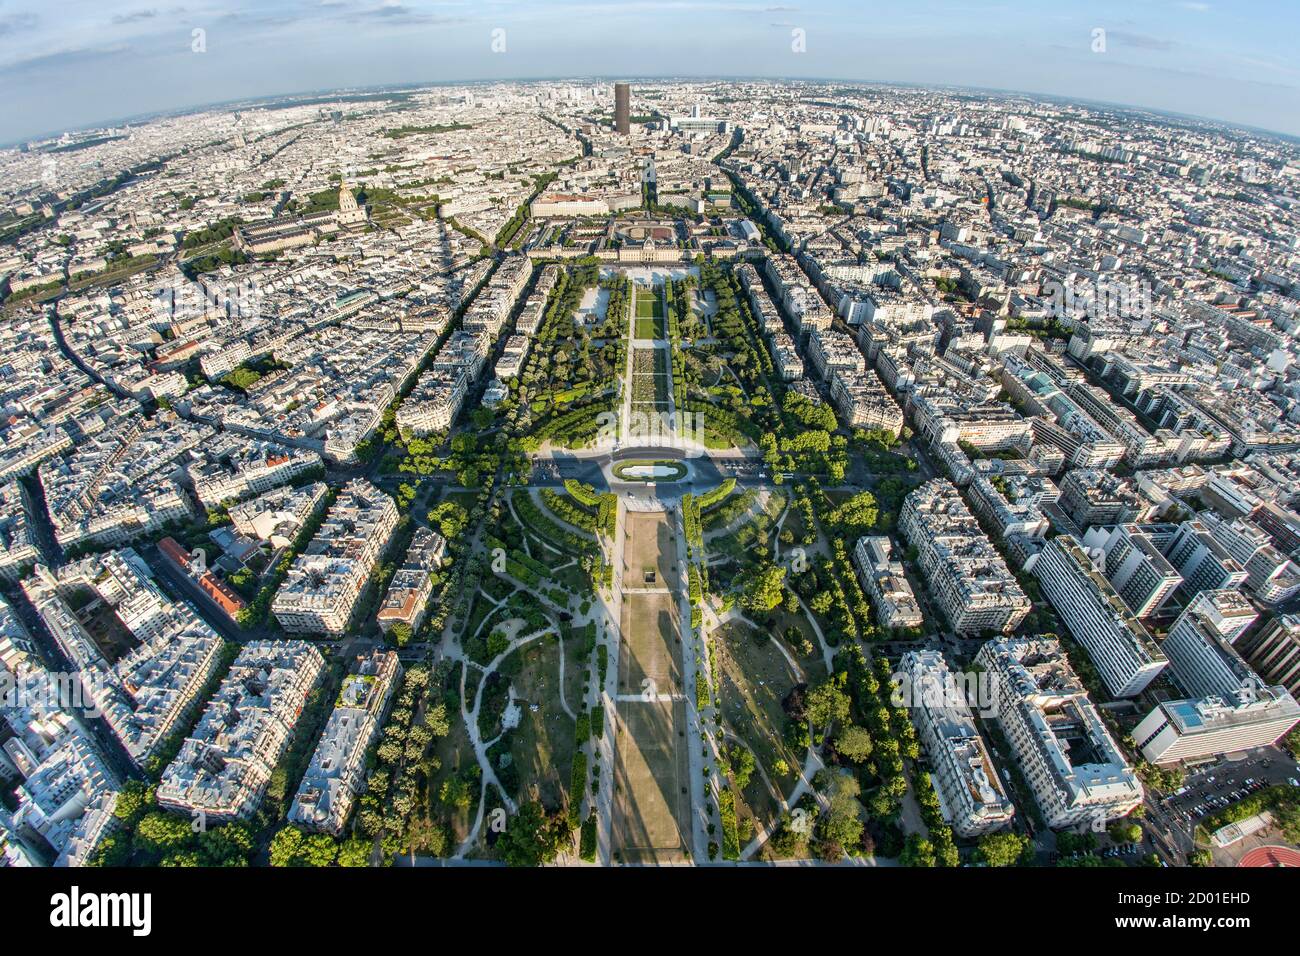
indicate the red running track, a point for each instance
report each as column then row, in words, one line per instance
column 1271, row 856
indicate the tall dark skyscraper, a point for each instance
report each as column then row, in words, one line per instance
column 622, row 108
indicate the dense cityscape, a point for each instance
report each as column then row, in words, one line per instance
column 655, row 473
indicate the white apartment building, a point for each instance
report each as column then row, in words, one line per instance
column 337, row 772
column 863, row 402
column 408, row 593
column 275, row 516
column 1013, row 503
column 1137, row 567
column 145, row 695
column 435, row 402
column 785, row 356
column 63, row 787
column 1202, row 728
column 1200, row 651
column 967, row 577
column 325, row 582
column 830, row 352
column 1119, row 646
column 1270, row 575
column 1076, row 771
column 17, row 545
column 886, row 583
column 224, row 766
column 1274, row 652
column 970, row 793
column 233, row 467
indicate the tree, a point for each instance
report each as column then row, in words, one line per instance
column 1125, row 831
column 827, row 702
column 742, row 765
column 319, row 849
column 842, row 825
column 435, row 718
column 1002, row 849
column 162, row 832
column 856, row 516
column 854, row 743
column 133, row 801
column 1292, row 743
column 532, row 838
column 229, row 845
column 287, row 847
column 917, row 851
column 497, row 643
column 763, row 588
column 354, row 852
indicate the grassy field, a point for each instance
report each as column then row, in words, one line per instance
column 649, row 548
column 651, row 805
column 812, row 662
column 541, row 747
column 754, row 679
column 650, row 379
column 650, row 315
column 454, row 754
column 650, row 649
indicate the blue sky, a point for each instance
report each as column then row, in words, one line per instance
column 71, row 63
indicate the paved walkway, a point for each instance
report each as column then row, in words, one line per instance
column 470, row 717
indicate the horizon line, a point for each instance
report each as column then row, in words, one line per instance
column 227, row 105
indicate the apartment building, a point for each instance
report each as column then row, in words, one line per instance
column 785, row 356
column 1273, row 651
column 408, row 592
column 1135, row 563
column 1118, row 644
column 233, row 467
column 1200, row 652
column 1012, row 503
column 971, row 794
column 1270, row 575
column 967, row 577
column 885, row 583
column 1207, row 727
column 1092, row 497
column 223, row 767
column 326, row 581
column 433, row 405
column 1077, row 773
column 276, row 516
column 63, row 788
column 18, row 550
column 863, row 402
column 146, row 694
column 1202, row 562
column 337, row 772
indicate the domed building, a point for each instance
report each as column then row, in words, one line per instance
column 351, row 214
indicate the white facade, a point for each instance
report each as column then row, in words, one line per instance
column 1078, row 774
column 973, row 799
column 1118, row 644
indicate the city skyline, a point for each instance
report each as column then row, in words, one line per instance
column 591, row 435
column 101, row 64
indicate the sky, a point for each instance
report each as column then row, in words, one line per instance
column 68, row 64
